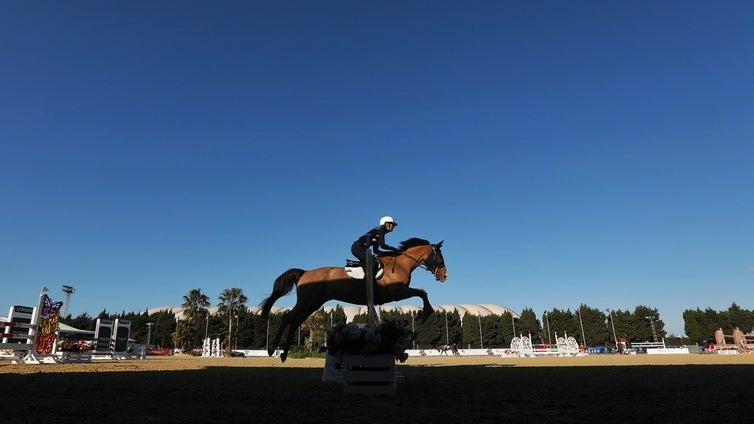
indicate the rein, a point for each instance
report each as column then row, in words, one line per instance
column 424, row 264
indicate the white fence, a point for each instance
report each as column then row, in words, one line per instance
column 658, row 348
column 411, row 352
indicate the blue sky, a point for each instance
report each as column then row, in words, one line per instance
column 592, row 152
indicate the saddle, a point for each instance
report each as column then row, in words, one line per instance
column 355, row 269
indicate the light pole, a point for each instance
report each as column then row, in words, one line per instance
column 236, row 333
column 612, row 323
column 68, row 290
column 479, row 318
column 413, row 326
column 149, row 332
column 268, row 335
column 447, row 338
column 547, row 320
column 652, row 324
column 556, row 340
column 583, row 337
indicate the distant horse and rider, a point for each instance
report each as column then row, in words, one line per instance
column 317, row 286
column 445, row 348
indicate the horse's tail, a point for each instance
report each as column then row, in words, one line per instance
column 283, row 285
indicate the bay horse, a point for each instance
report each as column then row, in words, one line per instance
column 443, row 349
column 317, row 286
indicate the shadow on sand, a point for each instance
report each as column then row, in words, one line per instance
column 478, row 394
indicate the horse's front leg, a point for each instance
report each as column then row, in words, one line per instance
column 401, row 292
column 427, row 309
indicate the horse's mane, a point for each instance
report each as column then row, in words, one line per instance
column 414, row 241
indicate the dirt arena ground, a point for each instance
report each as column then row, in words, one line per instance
column 598, row 388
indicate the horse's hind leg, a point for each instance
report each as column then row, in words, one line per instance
column 297, row 316
column 284, row 323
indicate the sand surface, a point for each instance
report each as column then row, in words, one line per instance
column 484, row 389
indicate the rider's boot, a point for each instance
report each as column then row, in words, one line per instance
column 375, row 268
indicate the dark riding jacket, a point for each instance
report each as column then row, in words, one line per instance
column 374, row 238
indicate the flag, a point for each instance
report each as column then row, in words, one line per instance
column 479, row 314
column 609, row 311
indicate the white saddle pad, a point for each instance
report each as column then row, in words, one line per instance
column 357, row 272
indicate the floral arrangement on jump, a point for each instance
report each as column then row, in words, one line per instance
column 76, row 346
column 387, row 338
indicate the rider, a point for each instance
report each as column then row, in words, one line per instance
column 374, row 238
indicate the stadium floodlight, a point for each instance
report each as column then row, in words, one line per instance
column 68, row 290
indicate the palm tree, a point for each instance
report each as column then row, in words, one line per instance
column 316, row 325
column 184, row 334
column 195, row 306
column 230, row 302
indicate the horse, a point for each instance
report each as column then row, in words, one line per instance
column 317, row 286
column 443, row 349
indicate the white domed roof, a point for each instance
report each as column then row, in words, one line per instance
column 351, row 311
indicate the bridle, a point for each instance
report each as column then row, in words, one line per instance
column 431, row 264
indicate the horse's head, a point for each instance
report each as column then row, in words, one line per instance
column 436, row 263
column 429, row 256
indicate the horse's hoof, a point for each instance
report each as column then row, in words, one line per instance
column 270, row 352
column 423, row 315
column 283, row 356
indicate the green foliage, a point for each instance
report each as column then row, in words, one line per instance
column 337, row 315
column 184, row 333
column 439, row 328
column 316, row 329
column 163, row 325
column 557, row 323
column 195, row 305
column 701, row 325
column 232, row 301
column 494, row 329
column 302, row 352
column 528, row 324
column 361, row 319
column 594, row 323
column 396, row 317
column 191, row 333
column 82, row 322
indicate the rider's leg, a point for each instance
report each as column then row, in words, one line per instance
column 360, row 252
column 375, row 265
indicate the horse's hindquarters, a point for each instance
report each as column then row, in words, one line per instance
column 322, row 275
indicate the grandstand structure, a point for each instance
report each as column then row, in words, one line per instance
column 351, row 311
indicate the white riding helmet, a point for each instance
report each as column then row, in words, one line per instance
column 385, row 219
